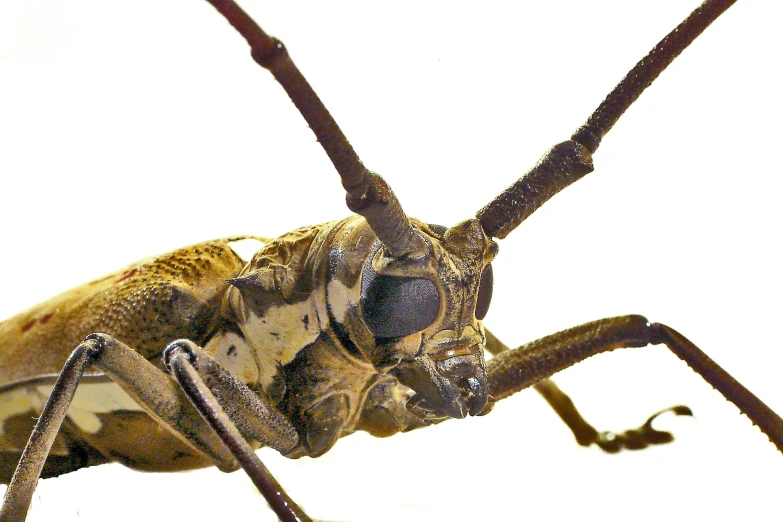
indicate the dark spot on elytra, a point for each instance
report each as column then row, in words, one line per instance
column 306, row 321
column 275, row 335
column 29, row 324
column 45, row 319
column 232, row 351
column 127, row 274
column 180, row 454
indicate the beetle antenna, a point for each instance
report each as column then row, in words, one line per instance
column 571, row 160
column 367, row 194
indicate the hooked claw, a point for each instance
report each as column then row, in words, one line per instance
column 641, row 437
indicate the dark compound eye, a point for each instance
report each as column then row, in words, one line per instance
column 484, row 293
column 397, row 306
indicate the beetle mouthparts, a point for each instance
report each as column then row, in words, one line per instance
column 419, row 407
column 451, row 382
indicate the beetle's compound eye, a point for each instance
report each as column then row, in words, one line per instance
column 395, row 306
column 484, row 293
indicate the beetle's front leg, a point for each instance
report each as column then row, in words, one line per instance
column 193, row 368
column 584, row 433
column 147, row 385
column 532, row 363
column 162, row 398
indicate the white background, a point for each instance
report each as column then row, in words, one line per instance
column 131, row 128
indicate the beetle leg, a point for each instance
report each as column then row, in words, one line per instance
column 513, row 370
column 584, row 432
column 254, row 418
column 151, row 388
column 20, row 490
column 147, row 385
column 610, row 442
column 182, row 358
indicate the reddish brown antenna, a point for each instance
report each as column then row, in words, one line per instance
column 367, row 193
column 568, row 161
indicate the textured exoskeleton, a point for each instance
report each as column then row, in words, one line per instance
column 297, row 323
column 523, row 292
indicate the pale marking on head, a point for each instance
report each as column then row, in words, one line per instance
column 90, row 399
column 279, row 335
column 234, row 353
column 337, row 295
column 246, row 248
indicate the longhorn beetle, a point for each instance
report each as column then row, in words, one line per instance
column 526, row 322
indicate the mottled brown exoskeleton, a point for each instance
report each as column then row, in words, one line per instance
column 529, row 277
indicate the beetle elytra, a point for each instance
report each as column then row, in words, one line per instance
column 158, row 200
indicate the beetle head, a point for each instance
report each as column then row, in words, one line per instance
column 418, row 316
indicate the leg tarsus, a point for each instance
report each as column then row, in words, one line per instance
column 641, row 437
column 584, row 433
column 609, row 441
column 514, row 370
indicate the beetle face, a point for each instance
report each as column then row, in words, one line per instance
column 419, row 317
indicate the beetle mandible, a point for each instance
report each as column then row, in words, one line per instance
column 526, row 322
